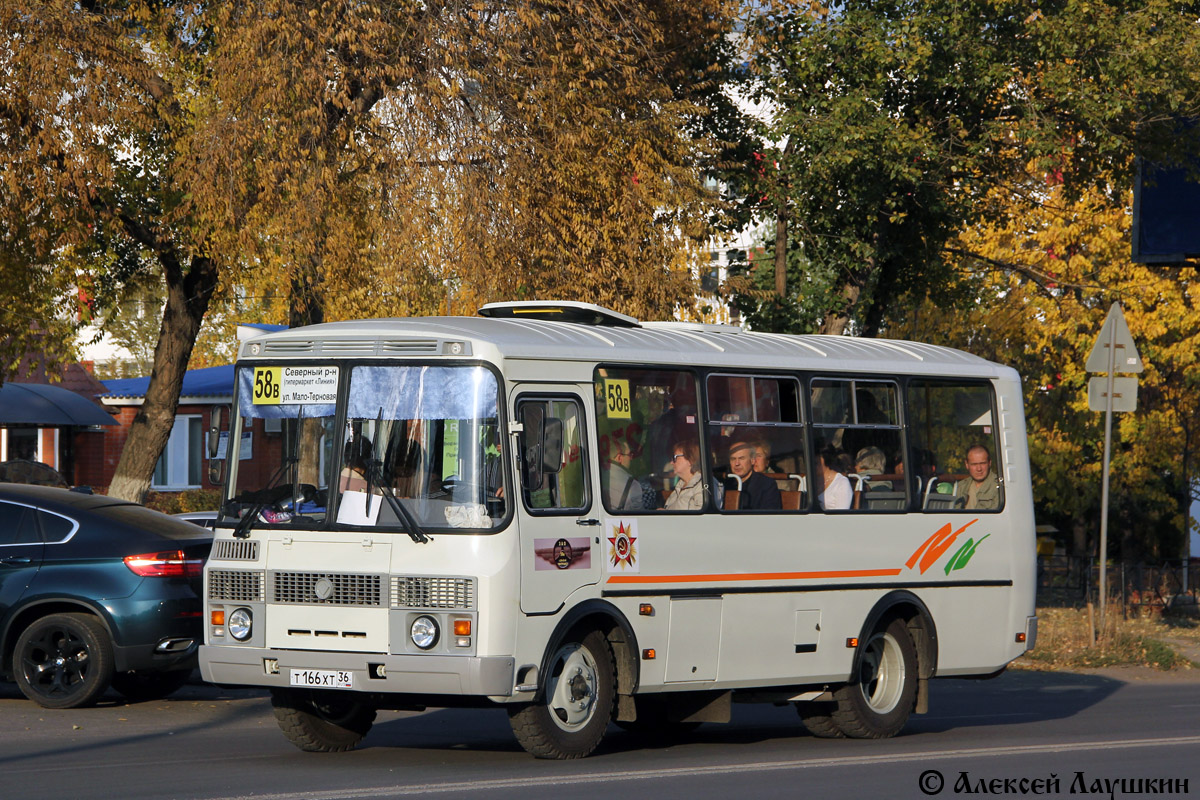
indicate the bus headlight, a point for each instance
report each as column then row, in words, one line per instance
column 240, row 623
column 424, row 632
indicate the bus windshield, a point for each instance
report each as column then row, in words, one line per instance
column 287, row 479
column 426, row 437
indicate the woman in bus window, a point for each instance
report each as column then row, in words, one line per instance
column 836, row 494
column 688, row 494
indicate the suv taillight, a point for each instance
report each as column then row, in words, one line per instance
column 167, row 564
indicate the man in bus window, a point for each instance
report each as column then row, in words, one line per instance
column 757, row 490
column 624, row 491
column 981, row 487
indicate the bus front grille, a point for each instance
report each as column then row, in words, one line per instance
column 419, row 592
column 326, row 589
column 234, row 550
column 235, row 586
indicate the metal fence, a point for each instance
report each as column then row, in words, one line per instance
column 1073, row 581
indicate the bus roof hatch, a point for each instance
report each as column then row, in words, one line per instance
column 551, row 311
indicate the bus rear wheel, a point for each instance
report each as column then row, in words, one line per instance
column 881, row 694
column 321, row 722
column 818, row 718
column 577, row 701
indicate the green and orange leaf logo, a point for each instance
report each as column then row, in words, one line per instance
column 936, row 545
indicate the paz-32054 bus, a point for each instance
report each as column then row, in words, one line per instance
column 585, row 519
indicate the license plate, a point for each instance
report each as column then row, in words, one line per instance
column 323, row 678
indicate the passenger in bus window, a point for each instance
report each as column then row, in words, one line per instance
column 761, row 461
column 869, row 412
column 624, row 491
column 835, row 494
column 688, row 494
column 870, row 461
column 493, row 469
column 757, row 490
column 981, row 487
column 356, row 458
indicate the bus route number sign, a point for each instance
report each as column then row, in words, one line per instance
column 616, row 396
column 290, row 386
column 267, row 381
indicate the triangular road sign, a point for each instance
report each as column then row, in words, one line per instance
column 1116, row 332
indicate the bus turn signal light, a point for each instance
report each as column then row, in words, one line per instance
column 648, row 654
column 852, row 642
column 218, row 617
column 462, row 627
column 1021, row 636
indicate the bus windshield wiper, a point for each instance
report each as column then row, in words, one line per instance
column 375, row 477
column 262, row 498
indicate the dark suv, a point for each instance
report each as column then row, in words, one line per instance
column 95, row 592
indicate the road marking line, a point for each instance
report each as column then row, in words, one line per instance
column 540, row 781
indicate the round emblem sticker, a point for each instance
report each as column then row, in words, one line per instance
column 564, row 554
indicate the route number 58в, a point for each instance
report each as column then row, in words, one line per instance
column 266, row 385
column 617, row 396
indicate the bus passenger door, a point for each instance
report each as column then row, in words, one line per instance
column 559, row 548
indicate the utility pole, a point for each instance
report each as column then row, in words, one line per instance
column 1113, row 352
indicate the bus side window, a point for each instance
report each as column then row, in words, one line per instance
column 954, row 447
column 756, row 435
column 857, row 434
column 553, row 466
column 645, row 418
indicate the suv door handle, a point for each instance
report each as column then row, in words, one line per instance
column 16, row 560
column 589, row 521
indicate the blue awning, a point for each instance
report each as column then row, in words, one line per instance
column 207, row 382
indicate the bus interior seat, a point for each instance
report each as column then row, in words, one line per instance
column 792, row 499
column 731, row 499
column 883, row 500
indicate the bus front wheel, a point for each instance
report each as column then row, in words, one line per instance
column 882, row 692
column 321, row 722
column 576, row 704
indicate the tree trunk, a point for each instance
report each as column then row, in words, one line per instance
column 307, row 307
column 188, row 298
column 835, row 323
column 781, row 226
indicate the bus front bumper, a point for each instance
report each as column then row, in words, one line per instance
column 372, row 672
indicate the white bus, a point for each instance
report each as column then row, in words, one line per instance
column 585, row 519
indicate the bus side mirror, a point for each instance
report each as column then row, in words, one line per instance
column 216, row 422
column 533, row 418
column 552, row 445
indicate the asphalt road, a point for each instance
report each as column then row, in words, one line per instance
column 1078, row 730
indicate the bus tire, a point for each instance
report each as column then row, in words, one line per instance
column 880, row 696
column 577, row 702
column 818, row 718
column 321, row 722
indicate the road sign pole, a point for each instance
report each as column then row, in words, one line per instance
column 1108, row 403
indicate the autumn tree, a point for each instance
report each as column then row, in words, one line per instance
column 1044, row 281
column 893, row 121
column 366, row 159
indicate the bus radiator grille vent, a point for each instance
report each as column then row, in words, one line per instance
column 231, row 550
column 407, row 346
column 413, row 592
column 235, row 586
column 348, row 347
column 326, row 589
column 288, row 348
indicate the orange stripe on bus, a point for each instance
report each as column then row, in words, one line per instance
column 755, row 576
